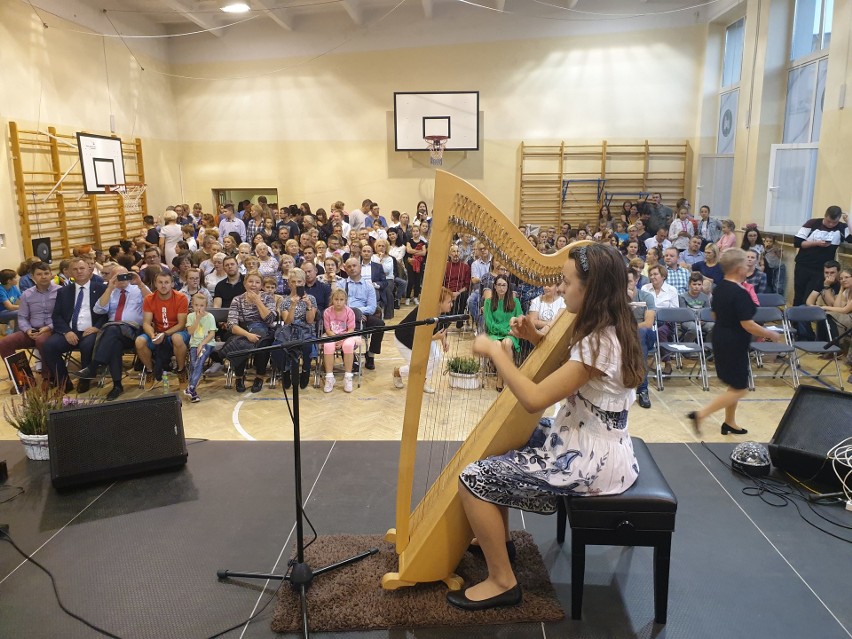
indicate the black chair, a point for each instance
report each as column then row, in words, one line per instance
column 643, row 515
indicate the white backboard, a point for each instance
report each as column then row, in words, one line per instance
column 452, row 113
column 101, row 160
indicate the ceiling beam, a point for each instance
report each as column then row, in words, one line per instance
column 427, row 8
column 354, row 11
column 186, row 12
column 278, row 16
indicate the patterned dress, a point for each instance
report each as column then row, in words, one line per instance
column 584, row 450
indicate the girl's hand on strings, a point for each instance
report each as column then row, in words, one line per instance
column 482, row 345
column 522, row 327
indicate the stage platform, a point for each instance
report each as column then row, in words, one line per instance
column 139, row 557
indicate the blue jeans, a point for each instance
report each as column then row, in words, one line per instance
column 196, row 363
column 647, row 341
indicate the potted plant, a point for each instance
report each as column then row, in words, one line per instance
column 28, row 414
column 464, row 373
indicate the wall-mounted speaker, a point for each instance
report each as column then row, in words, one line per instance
column 816, row 420
column 99, row 442
column 41, row 249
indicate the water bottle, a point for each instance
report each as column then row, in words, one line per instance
column 165, row 383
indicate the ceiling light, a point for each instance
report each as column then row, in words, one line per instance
column 236, row 7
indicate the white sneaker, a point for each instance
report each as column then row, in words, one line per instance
column 416, row 301
column 428, row 390
column 397, row 379
column 347, row 384
column 329, row 383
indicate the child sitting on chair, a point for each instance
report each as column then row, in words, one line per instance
column 339, row 319
column 202, row 331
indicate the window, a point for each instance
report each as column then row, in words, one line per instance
column 811, row 27
column 733, row 63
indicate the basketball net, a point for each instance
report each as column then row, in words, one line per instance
column 131, row 193
column 436, row 145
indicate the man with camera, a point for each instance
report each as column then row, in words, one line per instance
column 121, row 302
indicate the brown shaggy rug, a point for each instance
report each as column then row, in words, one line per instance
column 352, row 598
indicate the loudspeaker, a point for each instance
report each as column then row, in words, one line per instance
column 816, row 420
column 41, row 249
column 99, row 442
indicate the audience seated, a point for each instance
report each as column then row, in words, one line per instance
column 498, row 311
column 121, row 302
column 457, row 281
column 163, row 329
column 35, row 310
column 297, row 313
column 75, row 325
column 362, row 300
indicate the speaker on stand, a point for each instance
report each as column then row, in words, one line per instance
column 816, row 420
column 41, row 249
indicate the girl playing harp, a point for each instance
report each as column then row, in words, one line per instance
column 586, row 449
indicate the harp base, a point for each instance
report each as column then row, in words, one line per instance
column 393, row 581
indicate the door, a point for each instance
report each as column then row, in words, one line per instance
column 715, row 177
column 790, row 196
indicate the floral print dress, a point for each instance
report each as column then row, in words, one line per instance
column 584, row 450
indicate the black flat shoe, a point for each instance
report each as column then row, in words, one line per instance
column 257, row 385
column 511, row 597
column 304, row 379
column 476, row 550
column 730, row 430
column 693, row 418
column 240, row 385
column 286, row 382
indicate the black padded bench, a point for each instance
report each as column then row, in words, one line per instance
column 643, row 515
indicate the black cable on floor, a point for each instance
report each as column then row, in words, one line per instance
column 784, row 494
column 4, row 535
column 19, row 489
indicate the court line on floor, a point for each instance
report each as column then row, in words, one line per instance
column 235, row 419
column 49, row 539
column 768, row 540
column 286, row 543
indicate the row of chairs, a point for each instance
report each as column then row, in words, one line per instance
column 786, row 353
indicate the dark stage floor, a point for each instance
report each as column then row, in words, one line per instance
column 139, row 557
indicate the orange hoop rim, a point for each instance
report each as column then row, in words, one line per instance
column 115, row 188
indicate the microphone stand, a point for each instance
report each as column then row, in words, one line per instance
column 836, row 341
column 301, row 574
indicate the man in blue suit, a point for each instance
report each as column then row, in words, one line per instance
column 375, row 274
column 75, row 325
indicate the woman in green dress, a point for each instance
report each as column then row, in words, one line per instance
column 499, row 310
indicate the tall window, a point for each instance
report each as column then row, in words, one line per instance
column 811, row 27
column 729, row 93
column 807, row 71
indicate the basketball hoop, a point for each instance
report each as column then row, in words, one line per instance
column 131, row 193
column 436, row 145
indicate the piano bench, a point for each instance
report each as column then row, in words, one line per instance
column 643, row 515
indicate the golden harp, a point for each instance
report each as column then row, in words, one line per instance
column 431, row 539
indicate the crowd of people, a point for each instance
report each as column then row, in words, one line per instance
column 288, row 273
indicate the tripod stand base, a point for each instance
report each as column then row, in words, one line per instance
column 300, row 573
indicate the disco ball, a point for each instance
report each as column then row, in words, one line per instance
column 751, row 458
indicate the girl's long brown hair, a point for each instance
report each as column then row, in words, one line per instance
column 605, row 304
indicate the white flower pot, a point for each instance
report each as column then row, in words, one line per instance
column 465, row 381
column 35, row 446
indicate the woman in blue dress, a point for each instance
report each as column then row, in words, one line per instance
column 585, row 450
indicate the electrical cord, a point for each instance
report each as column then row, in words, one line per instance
column 779, row 493
column 20, row 492
column 5, row 536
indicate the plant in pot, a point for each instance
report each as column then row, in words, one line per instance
column 464, row 372
column 28, row 414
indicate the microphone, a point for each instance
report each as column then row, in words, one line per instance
column 446, row 318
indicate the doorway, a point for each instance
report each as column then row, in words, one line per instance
column 237, row 195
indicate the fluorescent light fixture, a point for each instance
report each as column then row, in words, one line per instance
column 236, row 7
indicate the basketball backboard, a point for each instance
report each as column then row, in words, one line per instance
column 101, row 160
column 454, row 114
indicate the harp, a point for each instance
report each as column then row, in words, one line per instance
column 431, row 538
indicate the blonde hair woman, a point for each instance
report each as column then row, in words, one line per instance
column 170, row 235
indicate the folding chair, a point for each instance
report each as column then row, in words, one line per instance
column 773, row 316
column 679, row 349
column 221, row 316
column 772, row 299
column 357, row 367
column 813, row 314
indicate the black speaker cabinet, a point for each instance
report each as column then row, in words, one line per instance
column 816, row 420
column 115, row 439
column 41, row 249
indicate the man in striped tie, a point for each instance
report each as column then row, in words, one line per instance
column 121, row 303
column 75, row 325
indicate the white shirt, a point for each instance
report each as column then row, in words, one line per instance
column 547, row 310
column 356, row 219
column 666, row 298
column 84, row 319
